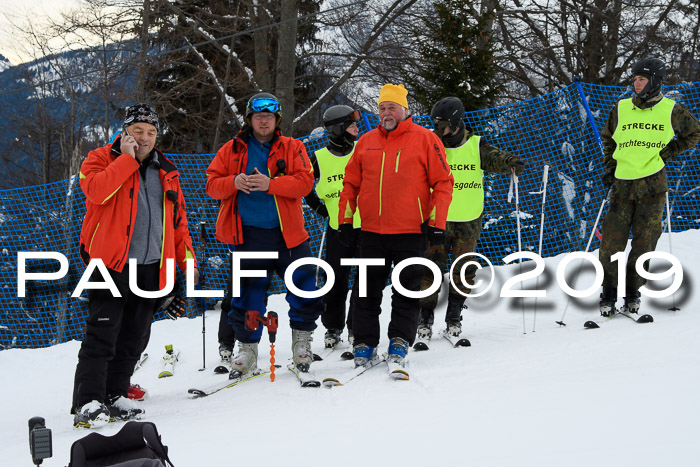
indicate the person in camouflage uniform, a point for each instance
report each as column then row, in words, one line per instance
column 635, row 173
column 468, row 155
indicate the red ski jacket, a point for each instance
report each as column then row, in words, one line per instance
column 109, row 180
column 398, row 179
column 288, row 186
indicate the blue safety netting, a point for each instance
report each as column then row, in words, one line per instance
column 556, row 129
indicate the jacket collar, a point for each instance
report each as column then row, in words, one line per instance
column 157, row 156
column 400, row 129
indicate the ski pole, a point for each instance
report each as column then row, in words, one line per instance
column 202, row 303
column 320, row 248
column 580, row 263
column 539, row 250
column 514, row 182
column 670, row 248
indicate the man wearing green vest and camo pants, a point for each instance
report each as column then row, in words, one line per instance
column 468, row 155
column 329, row 169
column 637, row 140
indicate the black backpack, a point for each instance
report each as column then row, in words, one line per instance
column 137, row 444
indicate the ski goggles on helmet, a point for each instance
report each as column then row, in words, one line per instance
column 353, row 116
column 264, row 104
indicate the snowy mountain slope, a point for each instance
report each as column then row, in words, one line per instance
column 625, row 394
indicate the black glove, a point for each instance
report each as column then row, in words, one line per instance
column 517, row 165
column 346, row 234
column 322, row 211
column 174, row 307
column 436, row 236
column 608, row 178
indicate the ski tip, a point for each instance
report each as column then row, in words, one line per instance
column 399, row 375
column 331, row 382
column 311, row 384
column 645, row 319
column 220, row 370
column 463, row 343
column 164, row 374
column 317, row 358
column 196, row 392
column 420, row 346
column 590, row 325
column 347, row 355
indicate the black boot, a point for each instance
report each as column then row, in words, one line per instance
column 632, row 301
column 453, row 316
column 425, row 325
column 607, row 301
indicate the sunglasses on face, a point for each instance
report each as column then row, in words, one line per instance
column 264, row 105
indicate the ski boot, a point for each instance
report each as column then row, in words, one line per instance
column 453, row 315
column 246, row 360
column 137, row 393
column 607, row 301
column 301, row 349
column 425, row 325
column 225, row 352
column 632, row 302
column 122, row 408
column 363, row 354
column 398, row 348
column 332, row 338
column 93, row 414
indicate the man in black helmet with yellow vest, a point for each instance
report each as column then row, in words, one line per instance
column 640, row 135
column 468, row 155
column 329, row 170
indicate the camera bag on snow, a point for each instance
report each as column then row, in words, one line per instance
column 137, row 444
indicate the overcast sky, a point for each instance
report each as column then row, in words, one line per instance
column 21, row 9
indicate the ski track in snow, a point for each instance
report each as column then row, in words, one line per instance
column 622, row 395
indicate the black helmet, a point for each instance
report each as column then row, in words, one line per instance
column 449, row 109
column 338, row 118
column 263, row 102
column 655, row 71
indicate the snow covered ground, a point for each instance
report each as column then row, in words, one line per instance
column 623, row 395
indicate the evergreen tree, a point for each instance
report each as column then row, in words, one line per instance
column 458, row 61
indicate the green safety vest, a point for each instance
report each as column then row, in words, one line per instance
column 468, row 191
column 640, row 135
column 330, row 184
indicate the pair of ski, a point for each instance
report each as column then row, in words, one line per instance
column 421, row 343
column 308, row 379
column 169, row 359
column 396, row 371
column 621, row 312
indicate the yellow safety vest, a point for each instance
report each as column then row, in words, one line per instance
column 330, row 184
column 468, row 190
column 640, row 135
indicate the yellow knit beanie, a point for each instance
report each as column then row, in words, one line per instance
column 393, row 93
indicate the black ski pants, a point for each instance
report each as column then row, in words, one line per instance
column 333, row 316
column 394, row 248
column 116, row 331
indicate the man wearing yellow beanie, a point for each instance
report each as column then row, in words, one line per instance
column 400, row 181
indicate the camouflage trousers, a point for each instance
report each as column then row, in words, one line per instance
column 644, row 215
column 460, row 238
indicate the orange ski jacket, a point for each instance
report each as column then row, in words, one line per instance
column 398, row 179
column 110, row 180
column 290, row 181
